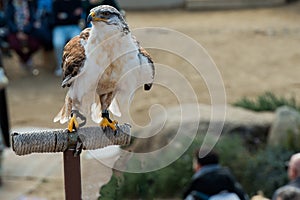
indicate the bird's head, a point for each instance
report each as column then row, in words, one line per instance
column 107, row 14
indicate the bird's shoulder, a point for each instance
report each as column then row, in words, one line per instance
column 146, row 54
column 141, row 50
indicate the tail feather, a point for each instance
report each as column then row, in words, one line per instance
column 64, row 114
column 115, row 108
column 61, row 117
column 96, row 112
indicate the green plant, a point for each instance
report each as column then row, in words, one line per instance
column 110, row 190
column 265, row 170
column 262, row 170
column 266, row 102
column 161, row 183
column 170, row 181
column 166, row 182
column 233, row 154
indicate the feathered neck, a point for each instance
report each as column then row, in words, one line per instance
column 104, row 31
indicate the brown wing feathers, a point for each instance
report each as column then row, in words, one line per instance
column 73, row 57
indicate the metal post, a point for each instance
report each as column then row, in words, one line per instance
column 72, row 176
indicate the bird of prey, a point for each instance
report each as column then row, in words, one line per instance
column 99, row 65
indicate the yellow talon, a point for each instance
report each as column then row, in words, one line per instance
column 73, row 124
column 105, row 123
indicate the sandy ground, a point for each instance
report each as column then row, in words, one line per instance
column 255, row 50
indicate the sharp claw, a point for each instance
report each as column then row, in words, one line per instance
column 78, row 148
column 116, row 132
column 73, row 124
column 105, row 123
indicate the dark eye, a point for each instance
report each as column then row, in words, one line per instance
column 105, row 14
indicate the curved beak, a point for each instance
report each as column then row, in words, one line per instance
column 92, row 17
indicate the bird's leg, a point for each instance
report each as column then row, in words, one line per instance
column 107, row 122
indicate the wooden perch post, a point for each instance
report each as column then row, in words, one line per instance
column 89, row 138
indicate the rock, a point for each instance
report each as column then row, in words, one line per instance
column 252, row 126
column 286, row 128
column 173, row 130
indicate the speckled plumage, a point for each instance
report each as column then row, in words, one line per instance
column 102, row 66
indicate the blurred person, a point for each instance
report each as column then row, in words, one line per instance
column 20, row 18
column 293, row 172
column 259, row 196
column 67, row 15
column 44, row 23
column 288, row 193
column 4, row 122
column 3, row 78
column 4, row 46
column 211, row 178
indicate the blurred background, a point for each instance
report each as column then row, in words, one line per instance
column 255, row 46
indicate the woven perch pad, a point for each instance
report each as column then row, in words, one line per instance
column 60, row 140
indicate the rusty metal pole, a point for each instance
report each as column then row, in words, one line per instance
column 72, row 175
